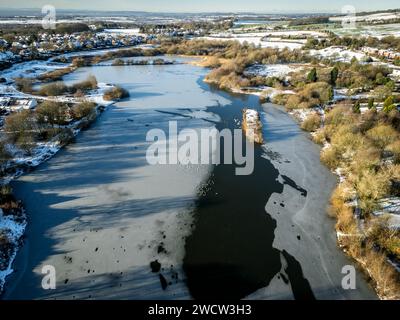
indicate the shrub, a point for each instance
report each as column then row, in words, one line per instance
column 118, row 62
column 83, row 109
column 280, row 99
column 24, row 85
column 115, row 93
column 370, row 187
column 233, row 81
column 55, row 75
column 211, row 62
column 334, row 75
column 386, row 237
column 312, row 122
column 53, row 113
column 382, row 135
column 4, row 154
column 53, row 89
column 319, row 136
column 314, row 94
column 356, row 107
column 79, row 62
column 293, row 102
column 338, row 115
column 312, row 75
column 394, row 147
column 366, row 157
column 89, row 84
column 330, row 157
column 339, row 209
column 21, row 128
column 65, row 136
column 389, row 105
column 371, row 103
column 5, row 244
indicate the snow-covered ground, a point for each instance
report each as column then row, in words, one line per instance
column 344, row 93
column 272, row 70
column 45, row 150
column 338, row 54
column 270, row 39
column 377, row 30
column 257, row 40
column 272, row 33
column 391, row 207
column 13, row 228
column 302, row 114
column 6, row 55
column 384, row 16
column 133, row 31
column 30, row 69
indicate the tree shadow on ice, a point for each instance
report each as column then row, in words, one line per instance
column 230, row 252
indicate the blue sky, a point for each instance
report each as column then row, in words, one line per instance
column 261, row 6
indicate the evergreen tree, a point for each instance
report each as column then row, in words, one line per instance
column 356, row 107
column 312, row 75
column 389, row 105
column 334, row 75
column 371, row 103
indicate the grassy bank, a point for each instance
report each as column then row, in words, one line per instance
column 362, row 147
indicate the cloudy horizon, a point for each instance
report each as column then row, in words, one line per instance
column 249, row 6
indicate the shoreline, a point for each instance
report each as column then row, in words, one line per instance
column 20, row 169
column 47, row 150
column 281, row 181
column 114, row 197
column 357, row 260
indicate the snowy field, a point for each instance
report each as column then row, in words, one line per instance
column 272, row 70
column 133, row 31
column 338, row 54
column 257, row 41
column 377, row 31
column 370, row 17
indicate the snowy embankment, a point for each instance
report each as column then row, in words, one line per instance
column 45, row 150
column 12, row 226
column 12, row 229
column 31, row 69
column 387, row 206
column 252, row 126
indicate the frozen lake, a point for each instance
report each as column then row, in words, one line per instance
column 99, row 213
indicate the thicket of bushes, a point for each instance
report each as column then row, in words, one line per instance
column 55, row 75
column 387, row 42
column 115, row 93
column 360, row 145
column 311, row 123
column 60, row 88
column 311, row 95
column 50, row 118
